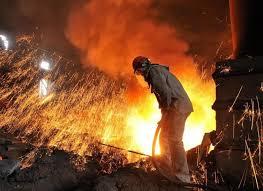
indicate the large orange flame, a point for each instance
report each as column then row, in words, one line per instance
column 110, row 33
column 88, row 107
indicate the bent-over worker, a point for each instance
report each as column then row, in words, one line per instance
column 175, row 107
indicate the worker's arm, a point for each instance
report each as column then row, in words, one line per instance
column 160, row 88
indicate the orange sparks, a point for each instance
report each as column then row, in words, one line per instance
column 110, row 107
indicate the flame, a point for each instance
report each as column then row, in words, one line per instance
column 110, row 41
column 144, row 116
column 142, row 120
column 107, row 106
column 88, row 108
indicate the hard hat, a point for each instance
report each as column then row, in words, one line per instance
column 140, row 62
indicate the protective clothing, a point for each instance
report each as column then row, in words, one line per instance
column 173, row 156
column 167, row 89
column 176, row 107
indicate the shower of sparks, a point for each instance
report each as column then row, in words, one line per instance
column 231, row 108
column 252, row 164
column 250, row 118
column 5, row 41
column 85, row 107
column 43, row 88
column 219, row 47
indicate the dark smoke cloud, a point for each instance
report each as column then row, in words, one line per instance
column 204, row 24
column 46, row 19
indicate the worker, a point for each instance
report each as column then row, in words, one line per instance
column 175, row 107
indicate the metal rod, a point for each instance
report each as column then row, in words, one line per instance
column 118, row 148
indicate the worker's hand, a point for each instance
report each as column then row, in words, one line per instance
column 165, row 111
column 160, row 123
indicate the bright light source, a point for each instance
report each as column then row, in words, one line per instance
column 45, row 65
column 43, row 88
column 5, row 41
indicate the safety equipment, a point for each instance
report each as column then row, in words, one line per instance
column 140, row 62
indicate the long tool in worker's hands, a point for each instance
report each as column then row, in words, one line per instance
column 127, row 150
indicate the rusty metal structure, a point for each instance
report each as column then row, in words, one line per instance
column 239, row 91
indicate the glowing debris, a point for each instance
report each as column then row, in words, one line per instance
column 91, row 107
column 226, row 70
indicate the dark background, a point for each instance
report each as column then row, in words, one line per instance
column 204, row 24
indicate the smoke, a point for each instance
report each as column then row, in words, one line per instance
column 45, row 19
column 203, row 24
column 111, row 33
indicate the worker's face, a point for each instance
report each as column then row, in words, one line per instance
column 140, row 79
column 139, row 71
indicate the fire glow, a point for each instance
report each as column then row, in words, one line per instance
column 106, row 105
column 144, row 116
column 95, row 108
column 111, row 46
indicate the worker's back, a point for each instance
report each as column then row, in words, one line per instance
column 180, row 99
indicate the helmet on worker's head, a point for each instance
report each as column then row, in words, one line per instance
column 140, row 62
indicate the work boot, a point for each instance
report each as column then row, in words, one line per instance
column 169, row 177
column 165, row 169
